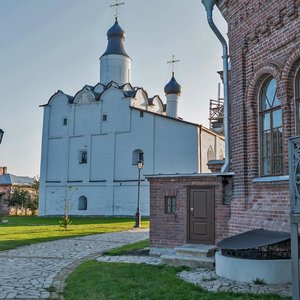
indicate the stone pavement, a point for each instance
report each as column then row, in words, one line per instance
column 32, row 272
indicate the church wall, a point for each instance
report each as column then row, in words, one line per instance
column 76, row 170
column 115, row 106
column 56, row 163
column 175, row 147
column 59, row 110
column 212, row 144
column 263, row 40
column 86, row 118
column 101, row 157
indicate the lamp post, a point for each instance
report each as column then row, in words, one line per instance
column 1, row 135
column 138, row 215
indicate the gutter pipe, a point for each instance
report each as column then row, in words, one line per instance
column 209, row 6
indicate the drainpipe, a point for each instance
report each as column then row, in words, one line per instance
column 209, row 6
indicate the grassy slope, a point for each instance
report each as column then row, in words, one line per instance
column 130, row 247
column 21, row 231
column 95, row 280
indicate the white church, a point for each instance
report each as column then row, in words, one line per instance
column 92, row 141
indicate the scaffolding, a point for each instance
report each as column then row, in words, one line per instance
column 216, row 114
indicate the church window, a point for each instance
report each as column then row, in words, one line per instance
column 137, row 155
column 271, row 134
column 65, row 121
column 297, row 100
column 82, row 203
column 170, row 204
column 104, row 118
column 83, row 157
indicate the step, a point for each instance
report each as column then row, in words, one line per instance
column 196, row 250
column 194, row 262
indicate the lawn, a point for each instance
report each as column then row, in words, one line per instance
column 21, row 231
column 113, row 281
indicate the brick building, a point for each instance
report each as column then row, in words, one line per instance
column 264, row 43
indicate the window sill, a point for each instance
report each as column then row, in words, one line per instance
column 271, row 179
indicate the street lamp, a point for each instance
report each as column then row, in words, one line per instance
column 138, row 215
column 1, row 135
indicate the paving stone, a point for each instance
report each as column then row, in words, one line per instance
column 28, row 270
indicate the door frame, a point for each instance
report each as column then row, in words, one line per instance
column 189, row 188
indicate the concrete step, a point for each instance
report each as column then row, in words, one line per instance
column 196, row 250
column 194, row 262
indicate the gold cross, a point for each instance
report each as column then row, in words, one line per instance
column 117, row 7
column 173, row 61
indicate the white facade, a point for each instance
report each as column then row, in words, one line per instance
column 91, row 143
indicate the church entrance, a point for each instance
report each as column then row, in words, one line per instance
column 201, row 221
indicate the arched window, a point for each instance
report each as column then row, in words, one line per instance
column 271, row 141
column 210, row 154
column 137, row 155
column 82, row 203
column 297, row 101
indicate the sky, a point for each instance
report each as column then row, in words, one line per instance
column 50, row 45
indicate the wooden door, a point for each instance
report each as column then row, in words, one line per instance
column 201, row 215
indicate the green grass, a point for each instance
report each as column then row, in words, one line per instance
column 21, row 231
column 113, row 281
column 130, row 247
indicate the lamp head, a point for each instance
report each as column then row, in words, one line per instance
column 140, row 164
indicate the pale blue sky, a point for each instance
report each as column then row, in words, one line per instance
column 48, row 45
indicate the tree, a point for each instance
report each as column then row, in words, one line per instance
column 34, row 203
column 19, row 199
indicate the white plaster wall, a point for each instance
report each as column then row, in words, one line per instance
column 116, row 107
column 87, row 118
column 116, row 68
column 56, row 162
column 55, row 204
column 58, row 110
column 140, row 137
column 175, row 147
column 102, row 157
column 126, row 198
column 77, row 171
column 220, row 152
column 172, row 105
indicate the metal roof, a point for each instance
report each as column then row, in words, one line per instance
column 254, row 239
column 10, row 179
column 116, row 37
column 173, row 87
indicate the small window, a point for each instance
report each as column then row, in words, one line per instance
column 83, row 157
column 65, row 121
column 104, row 118
column 82, row 203
column 170, row 204
column 137, row 155
column 141, row 114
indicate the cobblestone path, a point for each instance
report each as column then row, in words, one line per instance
column 30, row 272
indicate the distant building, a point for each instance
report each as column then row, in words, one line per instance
column 7, row 183
column 93, row 140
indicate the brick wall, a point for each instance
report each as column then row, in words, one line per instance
column 264, row 39
column 170, row 230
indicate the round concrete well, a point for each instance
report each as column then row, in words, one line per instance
column 273, row 271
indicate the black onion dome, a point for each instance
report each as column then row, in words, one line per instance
column 173, row 87
column 116, row 38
